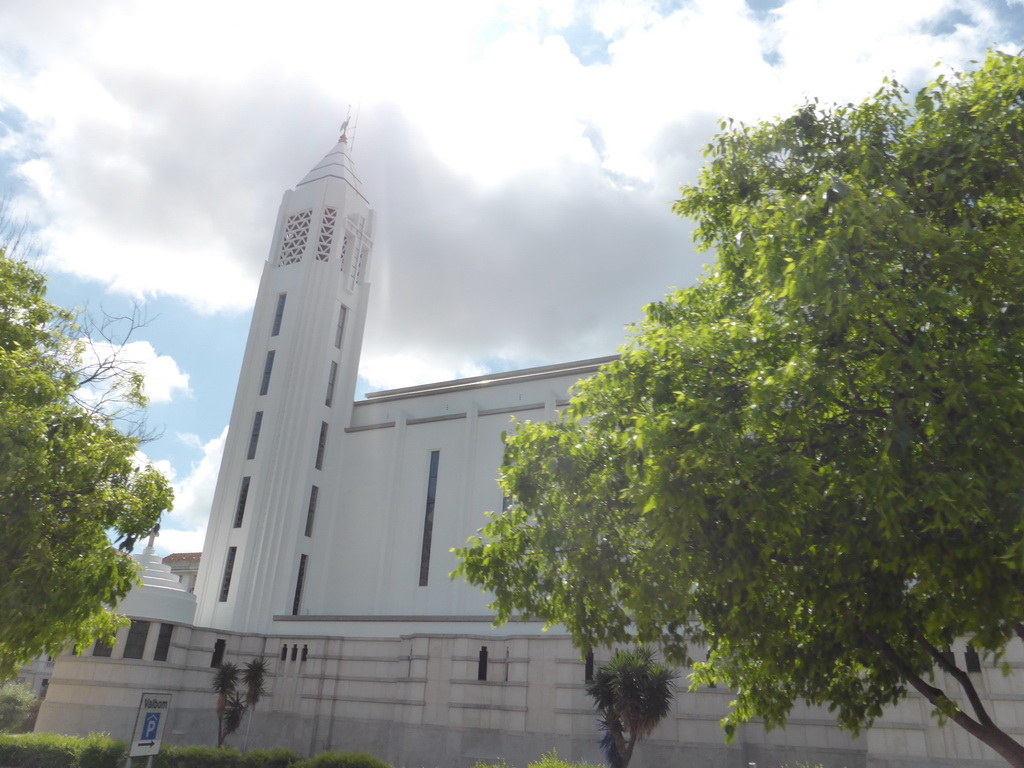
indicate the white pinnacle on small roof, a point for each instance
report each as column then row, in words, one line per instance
column 336, row 163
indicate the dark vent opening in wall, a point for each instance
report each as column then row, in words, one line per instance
column 218, row 653
column 481, row 669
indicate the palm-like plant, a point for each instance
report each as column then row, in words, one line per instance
column 234, row 711
column 253, row 678
column 632, row 693
column 225, row 684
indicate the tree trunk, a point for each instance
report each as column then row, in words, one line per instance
column 988, row 733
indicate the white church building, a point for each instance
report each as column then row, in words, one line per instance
column 328, row 553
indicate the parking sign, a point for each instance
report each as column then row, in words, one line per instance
column 149, row 724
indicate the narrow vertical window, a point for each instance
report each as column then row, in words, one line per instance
column 588, row 667
column 278, row 314
column 311, row 511
column 284, row 652
column 218, row 653
column 321, row 447
column 428, row 518
column 298, row 588
column 340, row 330
column 163, row 642
column 331, row 377
column 243, row 494
column 255, row 438
column 481, row 666
column 268, row 366
column 135, row 644
column 229, row 566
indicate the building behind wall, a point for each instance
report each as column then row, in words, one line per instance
column 184, row 565
column 329, row 547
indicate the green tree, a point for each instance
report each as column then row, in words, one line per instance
column 232, row 703
column 230, row 707
column 254, row 678
column 16, row 705
column 812, row 460
column 633, row 693
column 68, row 476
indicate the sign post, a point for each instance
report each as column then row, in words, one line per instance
column 149, row 726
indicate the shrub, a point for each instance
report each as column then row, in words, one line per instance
column 98, row 750
column 16, row 704
column 270, row 758
column 192, row 757
column 550, row 760
column 343, row 760
column 39, row 750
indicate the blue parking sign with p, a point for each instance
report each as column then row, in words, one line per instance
column 151, row 726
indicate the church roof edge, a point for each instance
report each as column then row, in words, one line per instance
column 578, row 367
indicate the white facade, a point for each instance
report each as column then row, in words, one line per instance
column 346, row 589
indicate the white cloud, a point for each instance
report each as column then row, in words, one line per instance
column 193, row 494
column 408, row 369
column 173, row 540
column 183, row 529
column 522, row 192
column 159, row 171
column 163, row 379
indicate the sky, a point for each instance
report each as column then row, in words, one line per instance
column 522, row 157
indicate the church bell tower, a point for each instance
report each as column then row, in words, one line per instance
column 293, row 402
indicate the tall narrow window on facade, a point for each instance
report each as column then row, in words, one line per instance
column 163, row 642
column 331, row 377
column 229, row 566
column 321, row 447
column 243, row 494
column 340, row 329
column 268, row 366
column 135, row 644
column 588, row 667
column 240, row 510
column 218, row 652
column 481, row 664
column 428, row 518
column 311, row 512
column 278, row 314
column 257, row 422
column 298, row 586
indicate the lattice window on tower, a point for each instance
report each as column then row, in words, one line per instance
column 326, row 240
column 296, row 232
